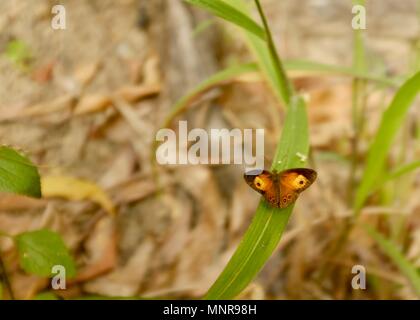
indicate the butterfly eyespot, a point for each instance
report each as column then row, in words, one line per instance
column 284, row 199
column 289, row 197
column 259, row 183
column 300, row 182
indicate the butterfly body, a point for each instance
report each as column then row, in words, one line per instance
column 281, row 189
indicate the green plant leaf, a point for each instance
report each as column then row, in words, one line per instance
column 391, row 121
column 41, row 250
column 395, row 254
column 229, row 13
column 18, row 174
column 266, row 229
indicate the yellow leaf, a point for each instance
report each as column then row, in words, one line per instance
column 76, row 189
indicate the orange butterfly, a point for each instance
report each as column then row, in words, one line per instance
column 283, row 188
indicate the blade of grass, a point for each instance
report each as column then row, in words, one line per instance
column 269, row 223
column 310, row 66
column 402, row 170
column 358, row 102
column 229, row 13
column 214, row 80
column 359, row 52
column 285, row 86
column 395, row 254
column 275, row 77
column 290, row 65
column 266, row 229
column 392, row 120
column 201, row 27
column 264, row 56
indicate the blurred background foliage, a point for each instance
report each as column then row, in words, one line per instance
column 84, row 104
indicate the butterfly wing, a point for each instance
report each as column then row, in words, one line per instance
column 292, row 182
column 250, row 178
column 266, row 184
column 272, row 195
column 286, row 195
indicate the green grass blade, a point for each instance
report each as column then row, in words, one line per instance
column 359, row 52
column 229, row 13
column 402, row 170
column 266, row 229
column 264, row 233
column 216, row 79
column 257, row 45
column 394, row 253
column 316, row 67
column 286, row 88
column 392, row 120
column 18, row 174
column 266, row 65
column 202, row 26
column 264, row 58
column 290, row 65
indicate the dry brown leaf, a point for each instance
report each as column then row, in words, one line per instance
column 85, row 73
column 151, row 71
column 329, row 110
column 204, row 241
column 101, row 247
column 26, row 286
column 125, row 280
column 92, row 103
column 176, row 238
column 98, row 102
column 137, row 92
column 242, row 207
column 76, row 189
column 120, row 170
column 134, row 190
column 9, row 202
column 40, row 109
